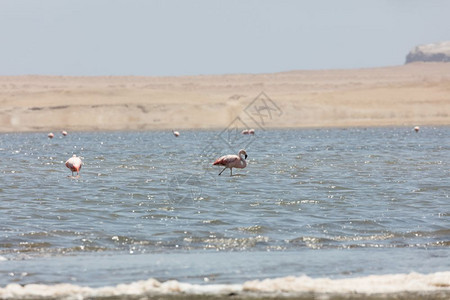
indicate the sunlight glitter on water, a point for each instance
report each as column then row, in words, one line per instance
column 303, row 190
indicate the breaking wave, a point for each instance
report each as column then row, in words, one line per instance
column 414, row 285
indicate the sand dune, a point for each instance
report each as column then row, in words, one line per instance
column 413, row 94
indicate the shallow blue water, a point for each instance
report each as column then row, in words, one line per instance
column 320, row 202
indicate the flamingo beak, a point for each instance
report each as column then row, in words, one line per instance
column 245, row 156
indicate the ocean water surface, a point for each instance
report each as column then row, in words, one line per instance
column 335, row 203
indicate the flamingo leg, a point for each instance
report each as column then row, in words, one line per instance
column 222, row 170
column 231, row 171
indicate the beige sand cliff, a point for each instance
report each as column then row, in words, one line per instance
column 413, row 94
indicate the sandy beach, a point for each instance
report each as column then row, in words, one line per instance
column 407, row 95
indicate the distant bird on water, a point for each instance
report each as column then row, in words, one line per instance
column 50, row 135
column 416, row 129
column 248, row 131
column 175, row 133
column 74, row 164
column 232, row 161
column 64, row 133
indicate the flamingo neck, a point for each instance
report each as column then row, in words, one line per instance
column 242, row 157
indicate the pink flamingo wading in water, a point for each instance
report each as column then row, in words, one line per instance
column 74, row 164
column 232, row 161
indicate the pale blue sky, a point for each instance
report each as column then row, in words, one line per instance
column 126, row 37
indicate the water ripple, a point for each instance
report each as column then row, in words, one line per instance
column 146, row 191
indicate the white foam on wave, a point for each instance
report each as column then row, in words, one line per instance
column 138, row 288
column 374, row 284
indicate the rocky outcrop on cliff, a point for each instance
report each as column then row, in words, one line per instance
column 430, row 52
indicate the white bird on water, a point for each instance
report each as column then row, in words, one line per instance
column 232, row 161
column 74, row 164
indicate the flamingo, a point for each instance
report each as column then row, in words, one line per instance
column 64, row 133
column 251, row 131
column 416, row 129
column 245, row 131
column 232, row 161
column 74, row 164
column 50, row 135
column 176, row 133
